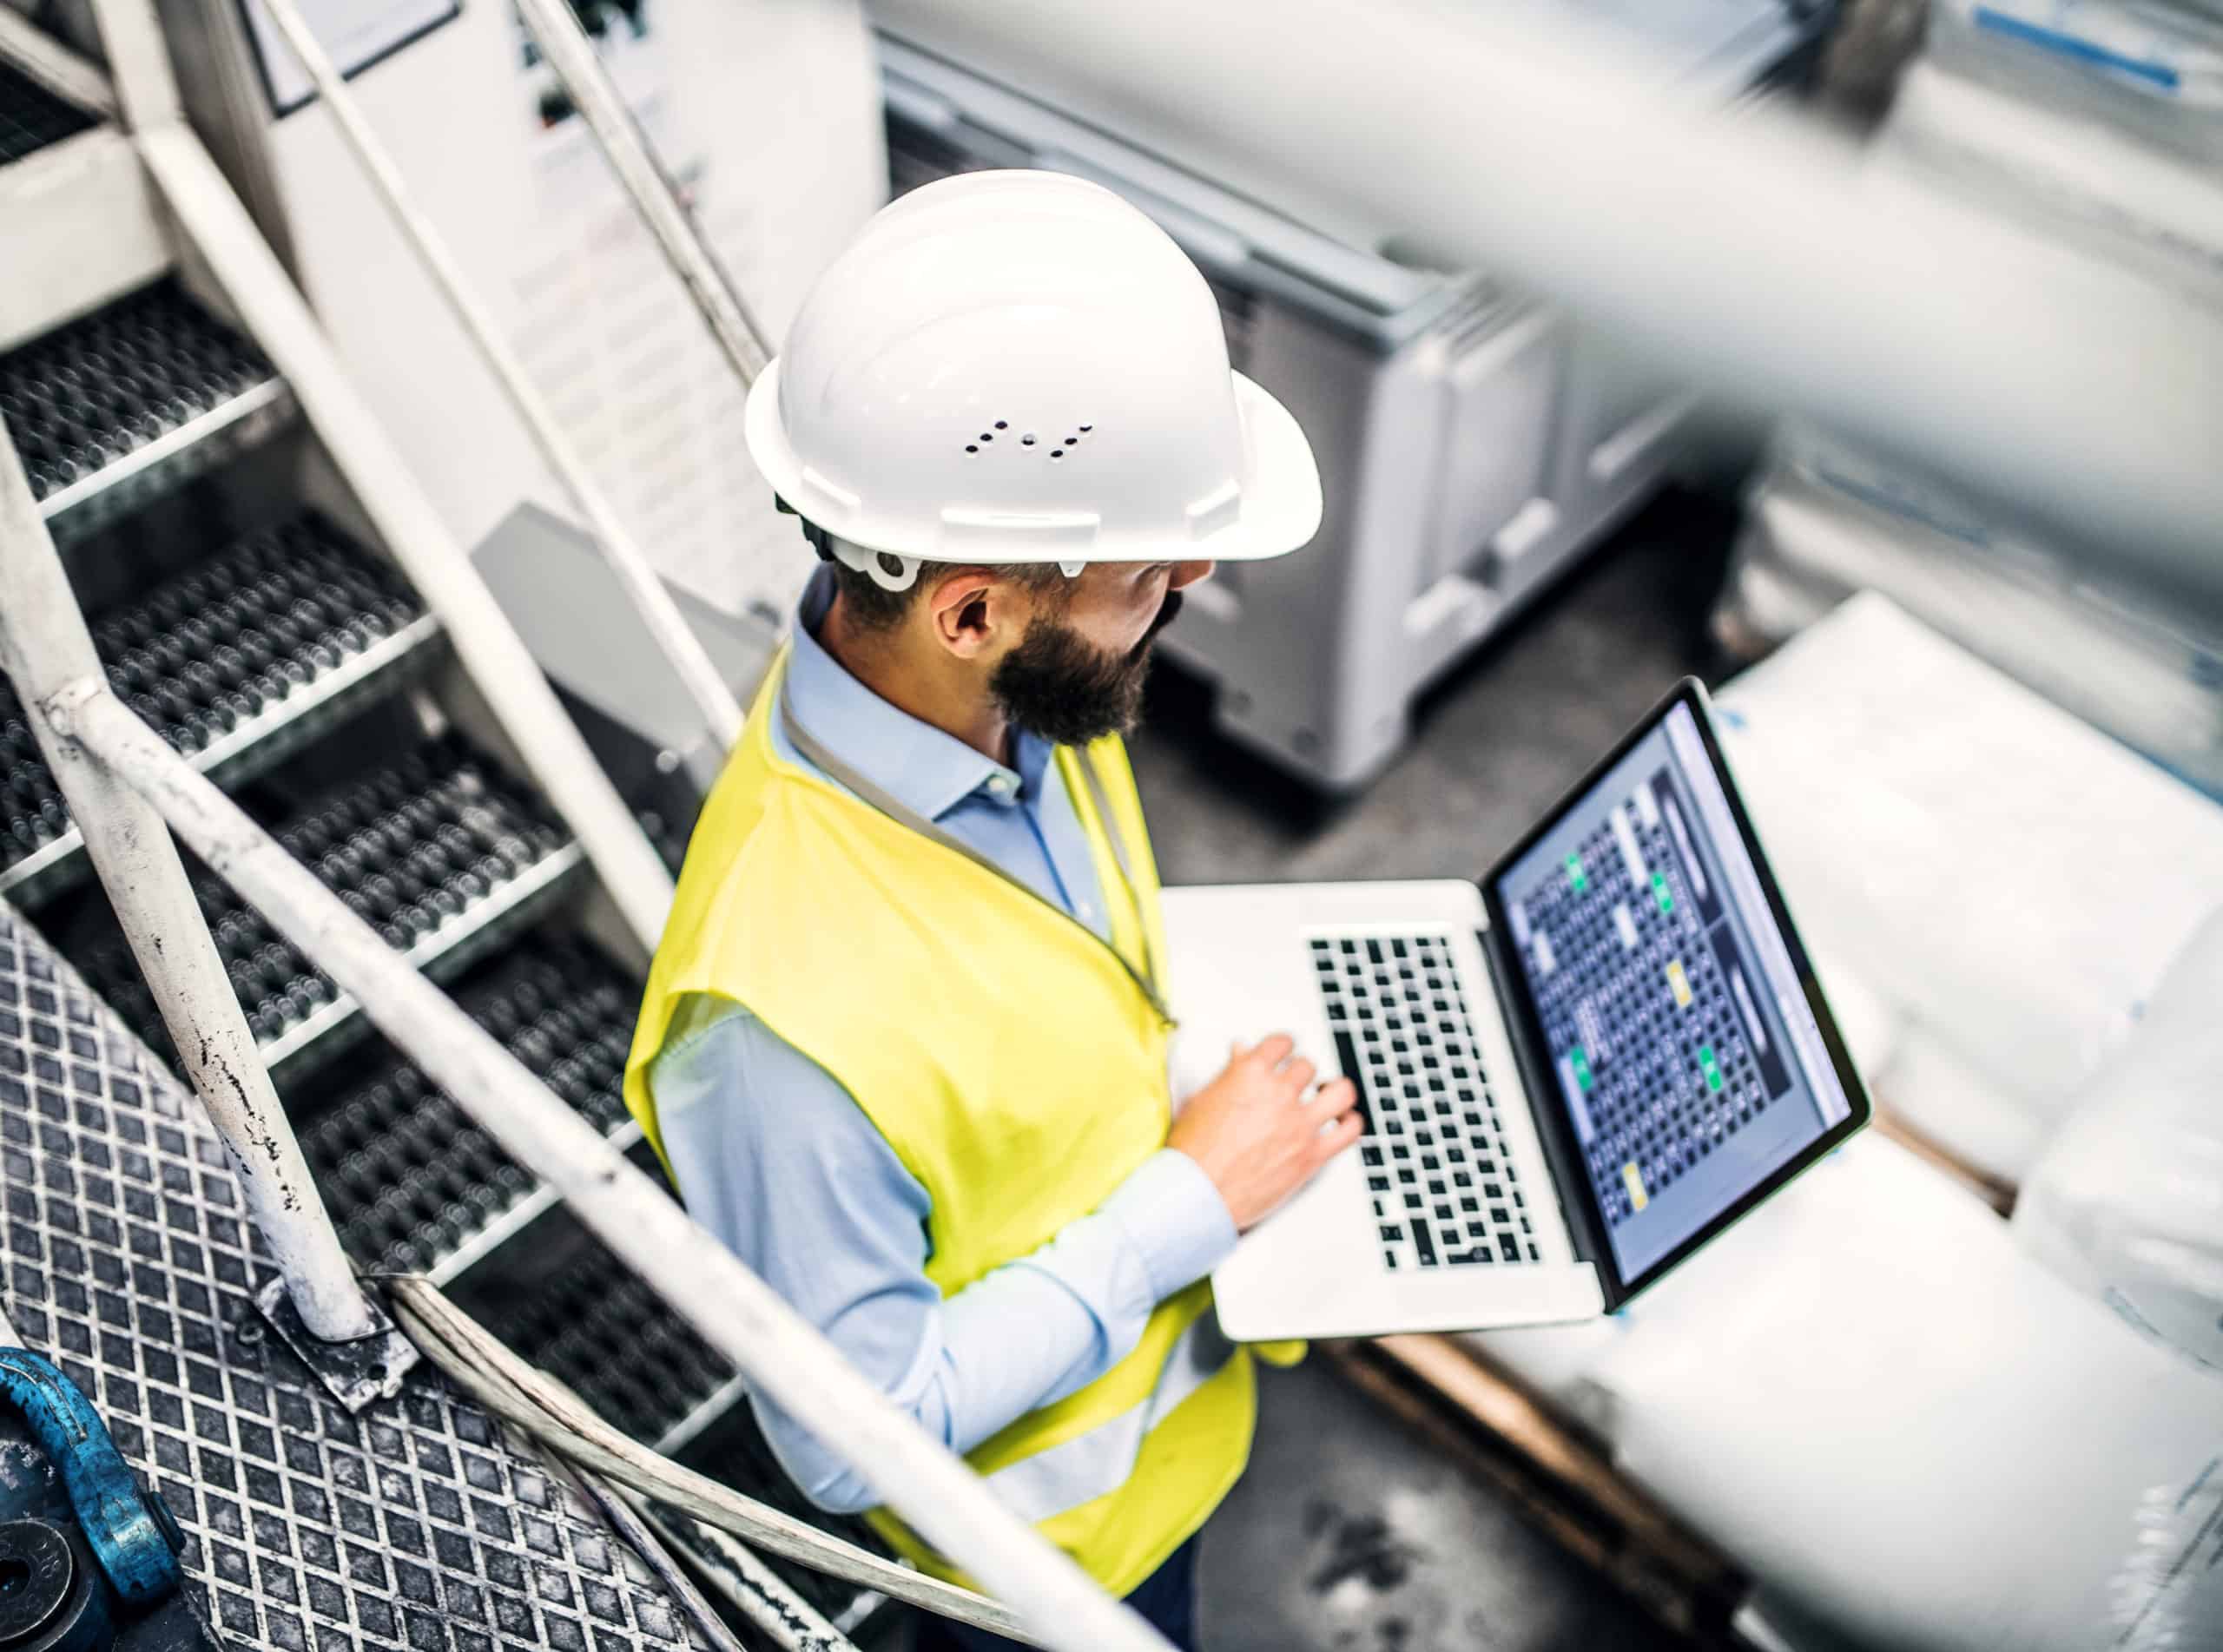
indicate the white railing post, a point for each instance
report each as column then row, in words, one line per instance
column 502, row 668
column 713, row 696
column 556, row 29
column 784, row 1358
column 48, row 653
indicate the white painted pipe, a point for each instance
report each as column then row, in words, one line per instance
column 45, row 650
column 714, row 698
column 555, row 27
column 785, row 1358
column 1743, row 249
column 500, row 665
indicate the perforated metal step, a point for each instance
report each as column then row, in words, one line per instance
column 128, row 401
column 414, row 1525
column 582, row 1315
column 239, row 661
column 447, row 858
column 413, row 1185
column 31, row 117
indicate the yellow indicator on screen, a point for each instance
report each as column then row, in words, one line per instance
column 1637, row 1196
column 1678, row 984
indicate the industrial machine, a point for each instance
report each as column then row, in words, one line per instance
column 1472, row 441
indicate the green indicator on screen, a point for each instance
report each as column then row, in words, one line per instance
column 1710, row 1067
column 1659, row 891
column 1579, row 1060
column 1575, row 875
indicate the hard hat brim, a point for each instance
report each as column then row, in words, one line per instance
column 1280, row 512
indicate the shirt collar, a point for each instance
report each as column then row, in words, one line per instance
column 923, row 767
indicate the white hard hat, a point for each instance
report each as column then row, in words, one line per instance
column 1021, row 367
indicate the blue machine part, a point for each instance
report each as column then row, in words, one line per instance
column 131, row 1533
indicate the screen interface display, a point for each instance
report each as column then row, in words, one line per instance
column 1687, row 1057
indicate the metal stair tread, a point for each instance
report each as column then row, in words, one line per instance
column 479, row 930
column 314, row 697
column 128, row 402
column 523, row 863
column 593, row 1324
column 562, row 1008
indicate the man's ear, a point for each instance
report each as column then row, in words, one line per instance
column 972, row 610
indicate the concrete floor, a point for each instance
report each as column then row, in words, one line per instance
column 1493, row 745
column 1349, row 1534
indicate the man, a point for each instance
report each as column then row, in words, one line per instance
column 904, row 1047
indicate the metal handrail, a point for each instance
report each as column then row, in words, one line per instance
column 212, row 218
column 563, row 40
column 45, row 648
column 787, row 1360
column 713, row 696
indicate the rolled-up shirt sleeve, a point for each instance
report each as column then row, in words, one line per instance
column 774, row 1156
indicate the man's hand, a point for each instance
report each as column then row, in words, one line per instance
column 1257, row 1134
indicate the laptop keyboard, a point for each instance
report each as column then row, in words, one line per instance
column 1434, row 1149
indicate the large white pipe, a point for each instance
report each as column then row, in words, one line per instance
column 1743, row 248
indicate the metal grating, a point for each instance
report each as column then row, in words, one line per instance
column 410, row 1180
column 413, row 1527
column 89, row 394
column 416, row 848
column 579, row 1314
column 131, row 401
column 227, row 654
column 31, row 117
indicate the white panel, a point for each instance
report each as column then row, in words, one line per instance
column 81, row 229
column 767, row 116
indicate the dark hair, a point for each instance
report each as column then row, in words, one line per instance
column 874, row 607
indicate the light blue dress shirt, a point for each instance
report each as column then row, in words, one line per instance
column 773, row 1155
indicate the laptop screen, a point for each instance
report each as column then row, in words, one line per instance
column 1670, row 999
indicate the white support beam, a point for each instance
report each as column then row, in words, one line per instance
column 53, row 65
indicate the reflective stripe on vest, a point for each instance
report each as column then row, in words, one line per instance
column 1082, row 1470
column 1016, row 1066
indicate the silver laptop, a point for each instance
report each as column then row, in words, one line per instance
column 1574, row 1073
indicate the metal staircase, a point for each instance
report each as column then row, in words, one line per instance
column 224, row 544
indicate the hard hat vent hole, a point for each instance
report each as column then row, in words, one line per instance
column 891, row 565
column 1027, row 441
column 972, row 447
column 1086, row 428
column 1057, row 453
column 986, row 437
column 1001, row 426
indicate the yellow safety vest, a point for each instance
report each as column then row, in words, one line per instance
column 1016, row 1068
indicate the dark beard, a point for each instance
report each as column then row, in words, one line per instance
column 1058, row 685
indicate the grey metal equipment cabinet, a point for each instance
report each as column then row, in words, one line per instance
column 1471, row 441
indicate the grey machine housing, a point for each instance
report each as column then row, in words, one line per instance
column 1471, row 441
